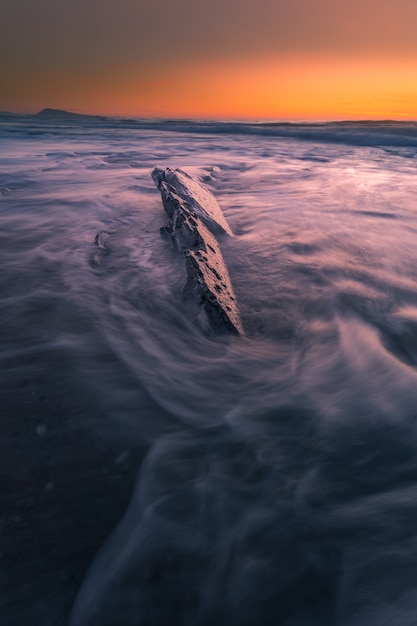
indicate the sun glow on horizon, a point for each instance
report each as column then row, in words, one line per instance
column 285, row 88
column 233, row 59
column 300, row 88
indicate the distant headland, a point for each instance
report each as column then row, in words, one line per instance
column 53, row 115
column 59, row 114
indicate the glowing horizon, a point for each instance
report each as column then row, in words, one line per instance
column 304, row 60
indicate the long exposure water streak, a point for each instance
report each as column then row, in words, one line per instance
column 279, row 477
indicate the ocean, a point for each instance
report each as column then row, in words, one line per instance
column 275, row 475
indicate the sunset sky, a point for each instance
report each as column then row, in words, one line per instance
column 262, row 59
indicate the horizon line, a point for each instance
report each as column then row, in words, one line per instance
column 226, row 119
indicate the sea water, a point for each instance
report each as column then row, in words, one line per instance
column 280, row 482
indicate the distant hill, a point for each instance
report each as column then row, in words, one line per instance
column 58, row 114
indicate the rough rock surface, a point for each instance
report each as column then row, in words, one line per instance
column 194, row 217
column 178, row 185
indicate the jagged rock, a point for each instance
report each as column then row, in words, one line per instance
column 102, row 250
column 194, row 217
column 178, row 185
column 100, row 239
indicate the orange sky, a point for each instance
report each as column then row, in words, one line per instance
column 274, row 59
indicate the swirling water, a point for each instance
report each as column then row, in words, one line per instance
column 280, row 483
